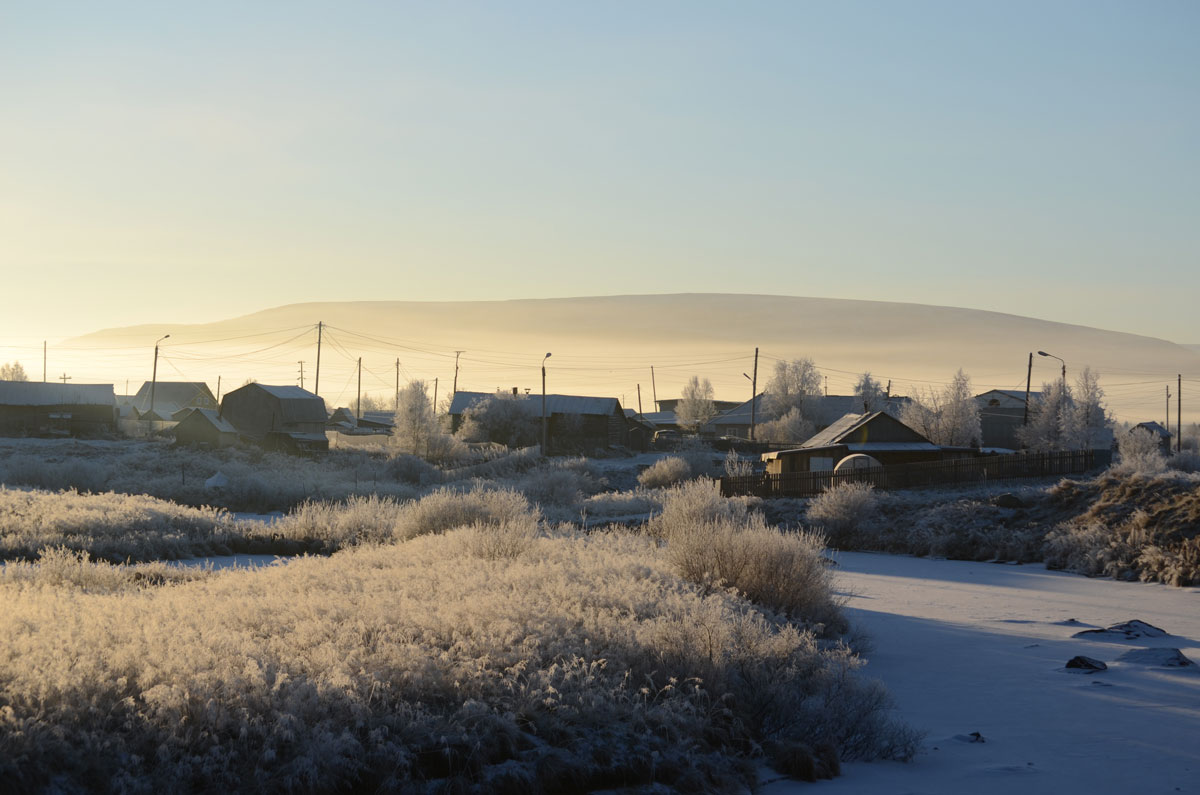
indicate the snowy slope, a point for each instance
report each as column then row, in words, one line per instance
column 977, row 647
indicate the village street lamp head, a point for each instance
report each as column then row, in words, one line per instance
column 1064, row 364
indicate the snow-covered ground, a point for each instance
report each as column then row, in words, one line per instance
column 979, row 647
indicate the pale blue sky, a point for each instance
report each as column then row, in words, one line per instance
column 190, row 162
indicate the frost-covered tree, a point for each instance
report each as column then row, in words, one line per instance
column 13, row 372
column 949, row 416
column 416, row 424
column 869, row 393
column 791, row 427
column 512, row 420
column 1062, row 419
column 696, row 408
column 794, row 385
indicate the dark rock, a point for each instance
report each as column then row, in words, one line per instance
column 1086, row 664
column 1129, row 630
column 1168, row 658
column 1008, row 501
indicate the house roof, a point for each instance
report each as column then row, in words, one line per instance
column 839, row 428
column 741, row 415
column 173, row 394
column 295, row 404
column 210, row 416
column 1154, row 427
column 555, row 404
column 37, row 393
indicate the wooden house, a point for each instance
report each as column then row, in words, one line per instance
column 31, row 408
column 878, row 435
column 278, row 417
column 205, row 428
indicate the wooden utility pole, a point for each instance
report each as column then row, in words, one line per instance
column 640, row 401
column 317, row 384
column 301, row 363
column 1168, row 425
column 435, row 396
column 64, row 378
column 218, row 390
column 1028, row 377
column 360, row 387
column 653, row 388
column 456, row 355
column 754, row 395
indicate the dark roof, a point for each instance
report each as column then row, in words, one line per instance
column 209, row 416
column 740, row 415
column 839, row 428
column 170, row 396
column 555, row 404
column 295, row 404
column 1153, row 427
column 37, row 393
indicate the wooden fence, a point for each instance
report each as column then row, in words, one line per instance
column 932, row 473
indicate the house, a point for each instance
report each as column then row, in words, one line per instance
column 30, row 408
column 1001, row 415
column 278, row 417
column 737, row 420
column 575, row 422
column 205, row 428
column 1163, row 435
column 170, row 398
column 878, row 435
column 641, row 430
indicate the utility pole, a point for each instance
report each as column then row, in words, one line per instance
column 218, row 390
column 434, row 396
column 317, row 385
column 1168, row 425
column 154, row 374
column 397, row 408
column 456, row 355
column 640, row 401
column 653, row 388
column 44, row 364
column 1028, row 377
column 544, row 420
column 301, row 363
column 360, row 387
column 64, row 378
column 826, row 386
column 754, row 396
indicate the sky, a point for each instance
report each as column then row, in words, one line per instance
column 195, row 162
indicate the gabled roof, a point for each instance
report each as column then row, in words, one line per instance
column 1154, row 427
column 209, row 416
column 840, row 427
column 295, row 404
column 37, row 393
column 555, row 404
column 855, row 428
column 741, row 415
column 170, row 396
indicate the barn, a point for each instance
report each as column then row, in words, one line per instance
column 878, row 435
column 576, row 423
column 30, row 408
column 1001, row 415
column 278, row 417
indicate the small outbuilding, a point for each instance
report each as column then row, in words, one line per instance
column 205, row 428
column 1001, row 415
column 170, row 398
column 878, row 435
column 1163, row 435
column 575, row 422
column 278, row 417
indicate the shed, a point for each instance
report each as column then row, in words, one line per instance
column 170, row 397
column 1163, row 435
column 575, row 422
column 205, row 427
column 879, row 435
column 32, row 408
column 278, row 417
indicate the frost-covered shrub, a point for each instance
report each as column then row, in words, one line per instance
column 781, row 570
column 736, row 466
column 695, row 503
column 844, row 509
column 444, row 510
column 412, row 469
column 62, row 567
column 358, row 520
column 582, row 662
column 511, row 420
column 1140, row 453
column 700, row 460
column 558, row 487
column 506, row 540
column 1185, row 461
column 68, row 473
column 665, row 472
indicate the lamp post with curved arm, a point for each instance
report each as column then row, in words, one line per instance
column 154, row 374
column 1064, row 366
column 544, row 423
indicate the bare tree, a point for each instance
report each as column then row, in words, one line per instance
column 416, row 424
column 947, row 417
column 13, row 372
column 512, row 420
column 1060, row 419
column 696, row 408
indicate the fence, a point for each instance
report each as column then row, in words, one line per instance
column 932, row 473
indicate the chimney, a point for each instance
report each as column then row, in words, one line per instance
column 515, row 392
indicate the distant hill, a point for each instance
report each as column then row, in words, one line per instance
column 606, row 345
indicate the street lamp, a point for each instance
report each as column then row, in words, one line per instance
column 753, row 403
column 1064, row 365
column 544, row 424
column 154, row 375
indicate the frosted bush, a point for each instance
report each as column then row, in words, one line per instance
column 358, row 520
column 736, row 466
column 695, row 503
column 1185, row 461
column 581, row 662
column 1140, row 453
column 444, row 510
column 784, row 571
column 846, row 506
column 504, row 541
column 665, row 472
